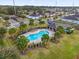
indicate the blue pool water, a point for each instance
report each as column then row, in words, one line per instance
column 37, row 35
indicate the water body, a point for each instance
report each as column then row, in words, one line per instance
column 72, row 19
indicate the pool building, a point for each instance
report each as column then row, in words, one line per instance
column 51, row 25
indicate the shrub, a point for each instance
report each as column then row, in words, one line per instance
column 57, row 34
column 6, row 18
column 69, row 30
column 2, row 32
column 60, row 29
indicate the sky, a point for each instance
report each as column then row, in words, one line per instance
column 41, row 2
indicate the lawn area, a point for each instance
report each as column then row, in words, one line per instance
column 67, row 48
column 35, row 26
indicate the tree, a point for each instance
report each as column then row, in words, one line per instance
column 10, row 11
column 1, row 43
column 55, row 17
column 2, row 32
column 57, row 35
column 23, row 28
column 22, row 15
column 3, row 10
column 22, row 43
column 12, row 32
column 31, row 22
column 60, row 29
column 6, row 18
column 41, row 22
column 69, row 30
column 45, row 39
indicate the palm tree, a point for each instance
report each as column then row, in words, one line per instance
column 6, row 18
column 12, row 32
column 41, row 21
column 14, row 6
column 69, row 30
column 56, row 5
column 57, row 35
column 22, row 43
column 31, row 22
column 2, row 35
column 23, row 28
column 2, row 32
column 73, row 6
column 56, row 10
column 45, row 39
column 60, row 29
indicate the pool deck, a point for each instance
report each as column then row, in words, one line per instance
column 36, row 31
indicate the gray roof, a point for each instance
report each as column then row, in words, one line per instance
column 51, row 23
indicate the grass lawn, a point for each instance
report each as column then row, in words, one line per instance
column 34, row 26
column 67, row 48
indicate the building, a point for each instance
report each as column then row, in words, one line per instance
column 51, row 25
column 13, row 24
column 1, row 19
column 34, row 16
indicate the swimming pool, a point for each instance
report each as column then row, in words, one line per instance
column 37, row 35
